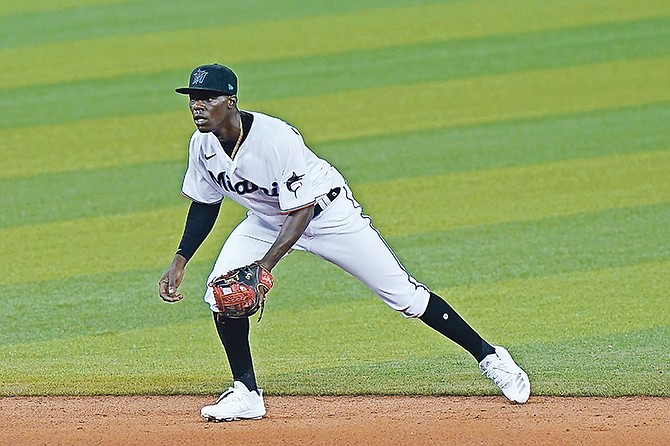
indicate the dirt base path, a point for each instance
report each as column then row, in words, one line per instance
column 148, row 421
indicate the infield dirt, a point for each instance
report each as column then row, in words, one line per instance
column 363, row 420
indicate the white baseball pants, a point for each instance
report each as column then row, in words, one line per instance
column 342, row 235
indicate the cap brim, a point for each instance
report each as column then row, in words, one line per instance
column 189, row 90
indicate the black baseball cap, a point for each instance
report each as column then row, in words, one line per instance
column 213, row 78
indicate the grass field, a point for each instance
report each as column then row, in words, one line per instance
column 516, row 155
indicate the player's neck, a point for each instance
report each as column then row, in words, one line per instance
column 231, row 128
column 232, row 139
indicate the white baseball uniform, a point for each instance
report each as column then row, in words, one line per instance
column 275, row 173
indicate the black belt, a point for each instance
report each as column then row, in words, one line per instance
column 324, row 201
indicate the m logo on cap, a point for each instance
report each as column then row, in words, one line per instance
column 199, row 76
column 211, row 78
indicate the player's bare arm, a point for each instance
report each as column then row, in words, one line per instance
column 294, row 226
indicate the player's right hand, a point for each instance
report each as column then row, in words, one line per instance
column 171, row 279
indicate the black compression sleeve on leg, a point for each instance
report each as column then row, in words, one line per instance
column 441, row 317
column 199, row 222
column 234, row 335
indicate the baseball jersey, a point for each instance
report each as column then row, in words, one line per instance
column 272, row 174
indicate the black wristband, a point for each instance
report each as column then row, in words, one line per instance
column 199, row 222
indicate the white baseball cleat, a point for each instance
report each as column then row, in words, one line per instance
column 236, row 403
column 508, row 376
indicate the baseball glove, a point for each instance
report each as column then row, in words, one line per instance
column 241, row 292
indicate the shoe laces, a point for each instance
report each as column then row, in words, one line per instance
column 496, row 371
column 231, row 394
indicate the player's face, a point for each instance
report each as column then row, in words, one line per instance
column 209, row 112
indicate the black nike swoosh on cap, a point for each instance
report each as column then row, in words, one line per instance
column 210, row 156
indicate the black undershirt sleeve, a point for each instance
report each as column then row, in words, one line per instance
column 199, row 222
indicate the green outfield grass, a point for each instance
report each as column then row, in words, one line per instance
column 516, row 155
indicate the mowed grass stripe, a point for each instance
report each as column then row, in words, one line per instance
column 532, row 192
column 410, row 206
column 377, row 28
column 611, row 238
column 50, row 6
column 620, row 364
column 103, row 18
column 350, row 115
column 400, row 65
column 110, row 361
column 99, row 244
column 143, row 187
column 573, row 305
column 627, row 363
column 501, row 144
column 481, row 99
column 91, row 192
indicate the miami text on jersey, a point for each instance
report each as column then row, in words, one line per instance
column 244, row 186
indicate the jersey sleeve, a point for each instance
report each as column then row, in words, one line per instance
column 198, row 185
column 296, row 189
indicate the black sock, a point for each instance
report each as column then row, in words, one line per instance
column 234, row 335
column 441, row 317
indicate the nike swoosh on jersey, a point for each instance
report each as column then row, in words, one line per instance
column 207, row 157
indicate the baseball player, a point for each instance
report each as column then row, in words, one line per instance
column 295, row 200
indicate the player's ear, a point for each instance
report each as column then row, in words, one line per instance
column 232, row 101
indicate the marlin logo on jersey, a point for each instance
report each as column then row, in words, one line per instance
column 294, row 183
column 199, row 76
column 244, row 186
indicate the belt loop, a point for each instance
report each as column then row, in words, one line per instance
column 325, row 200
